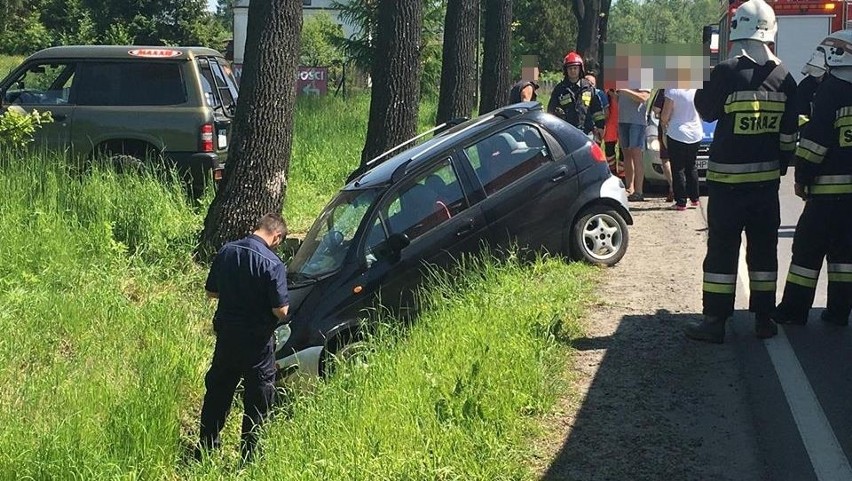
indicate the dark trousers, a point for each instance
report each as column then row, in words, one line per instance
column 238, row 356
column 731, row 210
column 823, row 230
column 684, row 174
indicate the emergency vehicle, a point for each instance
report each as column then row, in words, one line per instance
column 802, row 24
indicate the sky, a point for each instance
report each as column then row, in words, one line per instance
column 211, row 5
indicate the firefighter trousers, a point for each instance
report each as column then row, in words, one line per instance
column 731, row 210
column 823, row 231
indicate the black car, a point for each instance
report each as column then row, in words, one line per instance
column 514, row 178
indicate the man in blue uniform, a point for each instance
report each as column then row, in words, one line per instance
column 250, row 282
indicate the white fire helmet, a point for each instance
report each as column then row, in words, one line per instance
column 754, row 20
column 838, row 49
column 815, row 67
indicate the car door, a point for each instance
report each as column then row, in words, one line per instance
column 44, row 86
column 526, row 191
column 432, row 209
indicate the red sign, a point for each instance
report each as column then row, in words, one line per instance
column 155, row 53
column 312, row 81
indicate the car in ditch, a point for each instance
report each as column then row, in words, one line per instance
column 515, row 178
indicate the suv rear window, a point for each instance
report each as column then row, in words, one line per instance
column 129, row 83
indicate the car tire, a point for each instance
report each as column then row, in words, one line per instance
column 599, row 236
column 126, row 164
column 346, row 347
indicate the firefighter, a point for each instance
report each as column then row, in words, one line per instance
column 574, row 98
column 752, row 96
column 813, row 71
column 824, row 181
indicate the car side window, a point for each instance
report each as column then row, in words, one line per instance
column 424, row 203
column 505, row 157
column 41, row 84
column 130, row 83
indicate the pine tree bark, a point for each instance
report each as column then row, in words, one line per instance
column 395, row 98
column 256, row 174
column 458, row 75
column 496, row 51
column 588, row 14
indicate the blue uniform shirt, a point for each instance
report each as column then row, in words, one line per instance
column 250, row 280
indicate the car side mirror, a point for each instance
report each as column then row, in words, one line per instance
column 397, row 242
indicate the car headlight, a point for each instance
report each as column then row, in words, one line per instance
column 282, row 334
column 654, row 144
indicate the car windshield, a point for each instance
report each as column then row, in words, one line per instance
column 329, row 239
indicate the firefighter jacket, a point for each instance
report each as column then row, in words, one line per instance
column 824, row 154
column 757, row 121
column 574, row 101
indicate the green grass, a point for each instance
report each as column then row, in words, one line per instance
column 107, row 339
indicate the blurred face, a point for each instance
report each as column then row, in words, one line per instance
column 277, row 239
column 591, row 79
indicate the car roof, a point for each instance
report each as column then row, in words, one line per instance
column 123, row 52
column 384, row 170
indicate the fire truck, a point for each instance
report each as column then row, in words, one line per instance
column 802, row 24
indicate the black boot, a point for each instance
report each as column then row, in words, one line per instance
column 834, row 319
column 711, row 329
column 785, row 315
column 764, row 326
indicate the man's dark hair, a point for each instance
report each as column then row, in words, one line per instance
column 272, row 222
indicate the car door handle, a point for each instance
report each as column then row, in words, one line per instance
column 59, row 117
column 465, row 229
column 561, row 174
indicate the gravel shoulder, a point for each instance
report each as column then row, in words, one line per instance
column 646, row 403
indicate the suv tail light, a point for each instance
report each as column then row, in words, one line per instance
column 207, row 138
column 597, row 153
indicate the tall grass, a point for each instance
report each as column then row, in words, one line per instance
column 107, row 338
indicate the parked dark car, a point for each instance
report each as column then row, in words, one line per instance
column 513, row 178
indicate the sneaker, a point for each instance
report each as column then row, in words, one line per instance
column 832, row 319
column 677, row 207
column 693, row 204
column 764, row 327
column 670, row 197
column 711, row 329
column 636, row 197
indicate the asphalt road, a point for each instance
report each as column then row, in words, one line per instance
column 799, row 384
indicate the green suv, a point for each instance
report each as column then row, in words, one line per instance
column 131, row 104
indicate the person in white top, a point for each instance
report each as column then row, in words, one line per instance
column 683, row 134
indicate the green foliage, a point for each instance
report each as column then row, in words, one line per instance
column 660, row 21
column 30, row 25
column 17, row 127
column 546, row 28
column 318, row 34
column 7, row 63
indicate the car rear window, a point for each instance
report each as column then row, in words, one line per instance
column 129, row 83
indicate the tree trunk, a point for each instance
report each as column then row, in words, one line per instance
column 603, row 26
column 458, row 75
column 496, row 51
column 395, row 99
column 587, row 13
column 259, row 156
